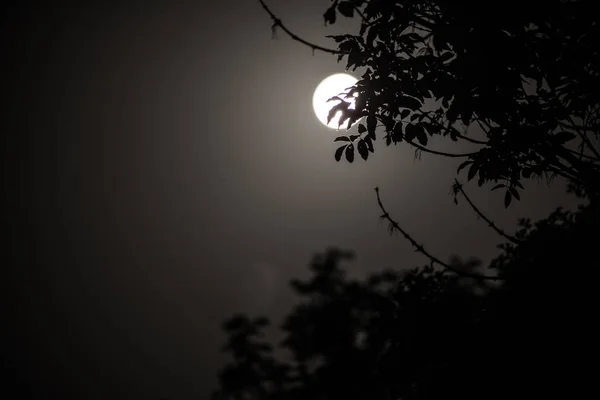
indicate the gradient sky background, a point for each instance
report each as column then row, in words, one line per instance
column 163, row 168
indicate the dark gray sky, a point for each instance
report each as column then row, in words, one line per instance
column 163, row 168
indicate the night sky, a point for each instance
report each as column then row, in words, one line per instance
column 162, row 168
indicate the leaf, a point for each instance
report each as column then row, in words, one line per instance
column 353, row 117
column 338, row 38
column 433, row 128
column 518, row 184
column 498, row 186
column 339, row 152
column 350, row 153
column 410, row 132
column 409, row 102
column 342, row 139
column 369, row 144
column 355, row 60
column 507, row 199
column 362, row 128
column 398, row 134
column 362, row 29
column 330, row 15
column 421, row 135
column 404, row 113
column 346, row 9
column 372, row 34
column 332, row 112
column 343, row 108
column 371, row 124
column 515, row 193
column 466, row 116
column 445, row 56
column 464, row 164
column 472, row 171
column 362, row 149
column 563, row 137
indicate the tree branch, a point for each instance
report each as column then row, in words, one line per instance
column 362, row 16
column 277, row 23
column 584, row 174
column 565, row 174
column 578, row 130
column 395, row 226
column 584, row 138
column 459, row 189
column 574, row 126
column 593, row 160
column 439, row 153
column 486, row 128
column 468, row 139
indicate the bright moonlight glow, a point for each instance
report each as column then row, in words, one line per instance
column 329, row 87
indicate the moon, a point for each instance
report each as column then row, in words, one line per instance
column 329, row 87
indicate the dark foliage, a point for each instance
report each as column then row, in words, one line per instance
column 524, row 75
column 429, row 334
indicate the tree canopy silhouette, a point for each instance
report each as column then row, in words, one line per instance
column 431, row 334
column 517, row 82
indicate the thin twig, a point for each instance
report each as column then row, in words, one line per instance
column 362, row 16
column 582, row 155
column 565, row 175
column 277, row 23
column 395, row 226
column 468, row 139
column 486, row 128
column 576, row 169
column 584, row 138
column 578, row 131
column 439, row 153
column 459, row 189
column 574, row 127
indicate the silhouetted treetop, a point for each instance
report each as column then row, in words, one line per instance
column 427, row 333
column 517, row 82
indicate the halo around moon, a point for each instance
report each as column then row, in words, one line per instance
column 329, row 87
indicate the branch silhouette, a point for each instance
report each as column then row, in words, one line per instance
column 468, row 139
column 394, row 226
column 457, row 187
column 584, row 137
column 593, row 160
column 439, row 153
column 277, row 23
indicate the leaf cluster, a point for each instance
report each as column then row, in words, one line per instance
column 528, row 80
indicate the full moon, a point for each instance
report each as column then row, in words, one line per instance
column 329, row 87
